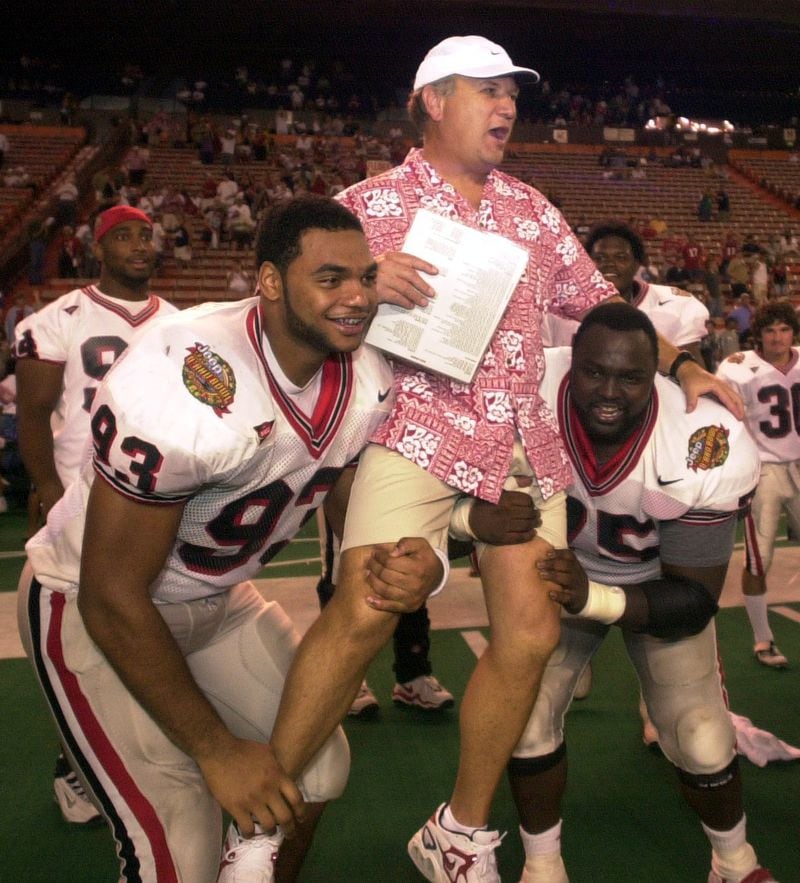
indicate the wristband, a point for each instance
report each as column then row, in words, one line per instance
column 442, row 556
column 604, row 604
column 683, row 356
column 459, row 521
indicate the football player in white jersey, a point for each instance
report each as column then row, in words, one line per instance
column 652, row 515
column 63, row 352
column 215, row 437
column 768, row 379
column 619, row 254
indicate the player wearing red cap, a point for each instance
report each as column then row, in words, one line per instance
column 63, row 352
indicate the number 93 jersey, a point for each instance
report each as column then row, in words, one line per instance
column 772, row 403
column 697, row 468
column 193, row 414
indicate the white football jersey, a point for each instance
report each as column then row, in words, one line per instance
column 677, row 316
column 696, row 467
column 772, row 403
column 193, row 413
column 85, row 331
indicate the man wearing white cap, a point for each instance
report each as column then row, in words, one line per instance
column 444, row 440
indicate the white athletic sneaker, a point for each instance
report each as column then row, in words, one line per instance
column 423, row 692
column 770, row 656
column 443, row 856
column 759, row 875
column 365, row 704
column 72, row 800
column 249, row 860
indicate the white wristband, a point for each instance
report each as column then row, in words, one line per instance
column 442, row 556
column 459, row 520
column 604, row 604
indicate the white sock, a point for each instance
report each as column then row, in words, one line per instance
column 756, row 606
column 546, row 843
column 732, row 857
column 451, row 823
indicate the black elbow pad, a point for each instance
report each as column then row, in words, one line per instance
column 678, row 607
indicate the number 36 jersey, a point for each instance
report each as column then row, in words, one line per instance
column 772, row 403
column 697, row 468
column 193, row 414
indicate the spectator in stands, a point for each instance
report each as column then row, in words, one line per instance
column 228, row 147
column 711, row 280
column 728, row 338
column 70, row 253
column 5, row 146
column 135, row 163
column 676, row 273
column 750, row 245
column 779, row 278
column 67, row 206
column 723, row 205
column 705, row 208
column 227, row 189
column 89, row 265
column 240, row 222
column 759, row 279
column 738, row 273
column 730, row 248
column 788, row 244
column 742, row 314
column 5, row 353
column 710, row 344
column 19, row 309
column 182, row 245
column 693, row 258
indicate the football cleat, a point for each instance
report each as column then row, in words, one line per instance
column 423, row 692
column 72, row 800
column 249, row 859
column 443, row 856
column 365, row 705
column 770, row 655
column 759, row 875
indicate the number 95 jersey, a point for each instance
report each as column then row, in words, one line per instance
column 192, row 413
column 697, row 468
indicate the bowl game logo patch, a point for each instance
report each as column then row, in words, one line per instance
column 708, row 448
column 209, row 378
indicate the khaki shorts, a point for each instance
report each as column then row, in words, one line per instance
column 394, row 498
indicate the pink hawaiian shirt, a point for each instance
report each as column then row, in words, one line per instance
column 464, row 433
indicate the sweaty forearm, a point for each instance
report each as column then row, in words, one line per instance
column 36, row 448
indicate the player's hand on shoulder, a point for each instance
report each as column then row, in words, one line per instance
column 513, row 519
column 735, row 358
column 401, row 575
column 695, row 381
column 400, row 282
column 560, row 566
column 246, row 779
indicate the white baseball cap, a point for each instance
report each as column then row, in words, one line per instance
column 468, row 57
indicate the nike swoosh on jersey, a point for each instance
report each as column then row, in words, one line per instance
column 383, row 395
column 663, row 482
column 662, row 302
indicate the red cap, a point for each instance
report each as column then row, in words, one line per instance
column 112, row 217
